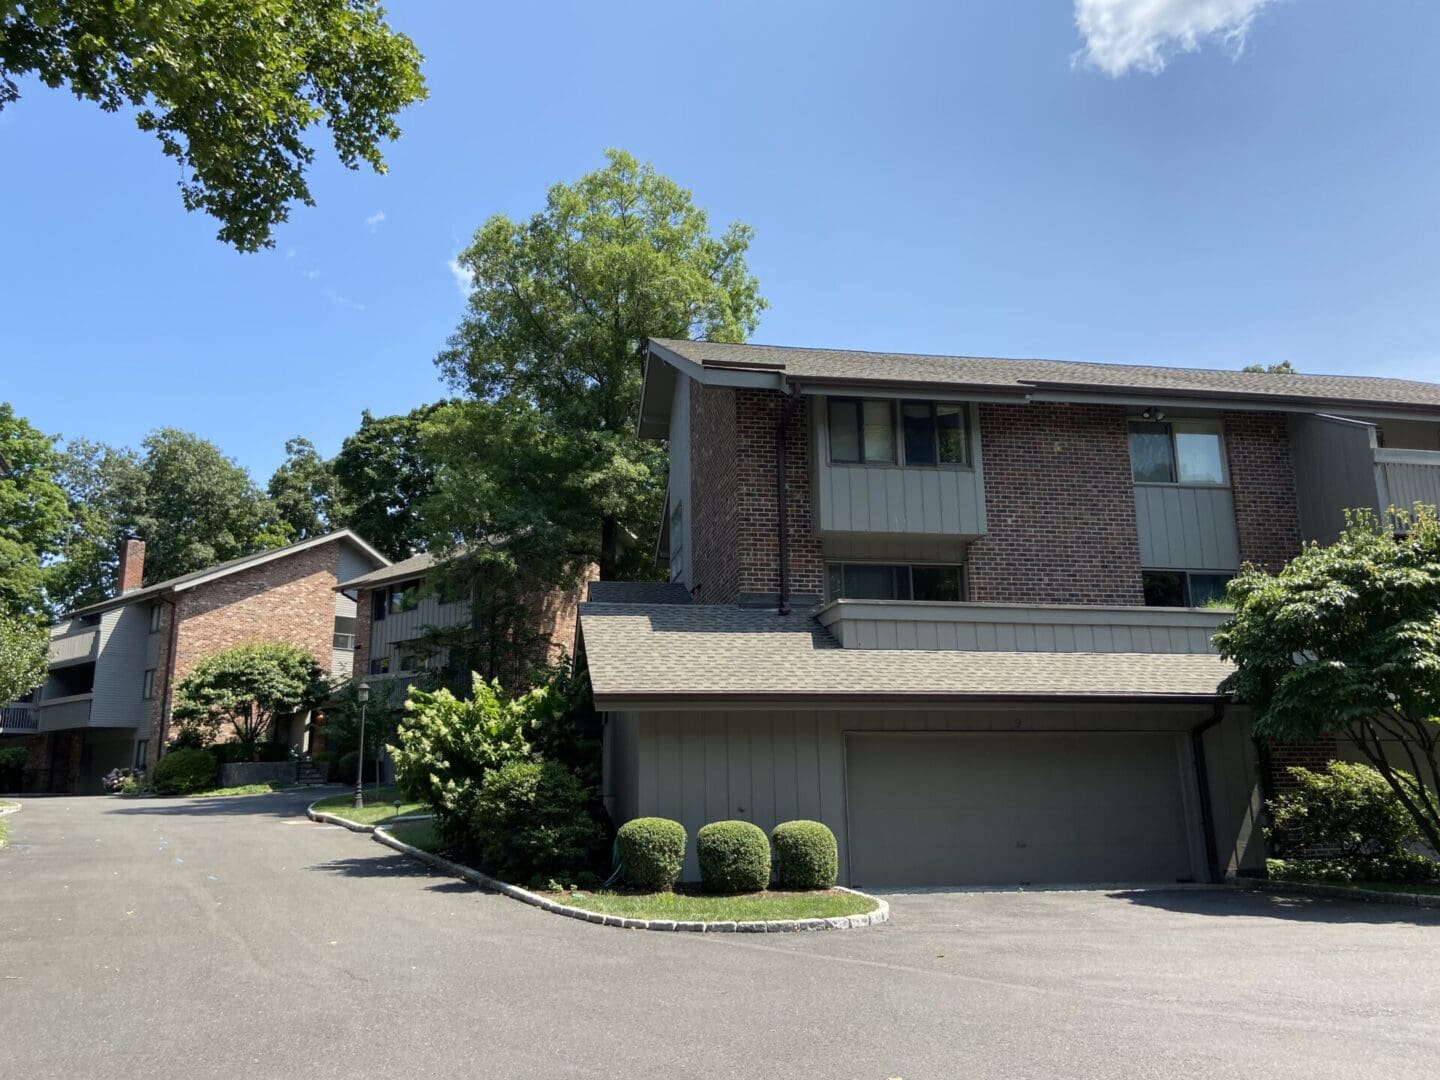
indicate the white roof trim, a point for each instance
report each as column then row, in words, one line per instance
column 262, row 557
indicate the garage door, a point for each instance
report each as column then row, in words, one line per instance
column 1016, row 809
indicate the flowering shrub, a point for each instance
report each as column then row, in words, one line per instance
column 115, row 780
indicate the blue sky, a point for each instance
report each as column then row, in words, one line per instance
column 1191, row 182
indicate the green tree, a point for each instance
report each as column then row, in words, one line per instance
column 384, row 477
column 231, row 88
column 24, row 655
column 1345, row 641
column 247, row 687
column 103, row 484
column 306, row 492
column 561, row 307
column 34, row 515
column 1284, row 367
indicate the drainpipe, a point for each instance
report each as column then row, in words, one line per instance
column 1202, row 780
column 782, row 430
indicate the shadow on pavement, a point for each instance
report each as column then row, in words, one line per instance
column 277, row 803
column 397, row 866
column 1257, row 905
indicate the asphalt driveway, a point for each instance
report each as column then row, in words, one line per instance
column 235, row 938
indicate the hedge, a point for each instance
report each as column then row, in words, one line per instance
column 734, row 857
column 183, row 771
column 651, row 851
column 806, row 855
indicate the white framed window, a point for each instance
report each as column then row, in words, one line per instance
column 344, row 632
column 1177, row 452
column 866, row 431
column 932, row 582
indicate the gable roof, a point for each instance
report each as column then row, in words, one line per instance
column 415, row 566
column 648, row 655
column 1045, row 379
column 233, row 566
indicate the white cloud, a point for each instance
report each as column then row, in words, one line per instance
column 373, row 221
column 464, row 279
column 336, row 298
column 1142, row 35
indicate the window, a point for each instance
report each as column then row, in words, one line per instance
column 378, row 602
column 677, row 542
column 154, row 618
column 142, row 751
column 931, row 432
column 411, row 662
column 404, row 597
column 882, row 581
column 147, row 685
column 1178, row 452
column 862, row 432
column 89, row 620
column 380, row 665
column 1182, row 588
column 344, row 631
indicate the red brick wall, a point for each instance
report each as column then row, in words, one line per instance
column 1262, row 479
column 714, row 551
column 54, row 762
column 1060, row 507
column 364, row 613
column 1313, row 754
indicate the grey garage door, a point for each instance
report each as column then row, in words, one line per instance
column 1016, row 808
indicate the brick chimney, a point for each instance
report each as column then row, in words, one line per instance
column 132, row 564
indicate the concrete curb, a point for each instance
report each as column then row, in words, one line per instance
column 1334, row 892
column 9, row 809
column 355, row 826
column 773, row 926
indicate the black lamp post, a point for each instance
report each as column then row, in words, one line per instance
column 363, row 693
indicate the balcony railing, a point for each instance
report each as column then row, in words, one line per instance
column 1407, row 477
column 59, row 714
column 18, row 718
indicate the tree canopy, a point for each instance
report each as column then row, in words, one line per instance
column 1345, row 641
column 558, row 316
column 231, row 88
column 34, row 514
column 383, row 477
column 248, row 686
column 24, row 655
column 306, row 492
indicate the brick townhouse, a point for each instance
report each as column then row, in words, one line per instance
column 113, row 665
column 960, row 609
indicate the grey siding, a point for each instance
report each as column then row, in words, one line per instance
column 1186, row 528
column 895, row 500
column 395, row 629
column 352, row 563
column 1334, row 472
column 1407, row 478
column 680, row 478
column 769, row 766
column 120, row 669
column 621, row 766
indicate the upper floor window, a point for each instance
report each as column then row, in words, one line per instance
column 404, row 597
column 380, row 665
column 885, row 581
column 147, row 684
column 1177, row 452
column 154, row 617
column 677, row 542
column 1183, row 588
column 864, row 432
column 344, row 631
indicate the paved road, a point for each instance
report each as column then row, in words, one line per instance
column 233, row 938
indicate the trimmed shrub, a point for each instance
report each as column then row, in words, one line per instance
column 233, row 753
column 806, row 855
column 532, row 823
column 187, row 770
column 734, row 857
column 1344, row 809
column 1405, row 868
column 652, row 850
column 346, row 766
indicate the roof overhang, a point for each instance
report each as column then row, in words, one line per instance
column 657, row 392
column 642, row 701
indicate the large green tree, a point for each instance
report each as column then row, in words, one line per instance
column 384, row 476
column 248, row 686
column 559, row 312
column 231, row 88
column 103, row 484
column 34, row 515
column 24, row 655
column 1345, row 641
column 306, row 492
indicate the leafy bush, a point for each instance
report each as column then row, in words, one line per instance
column 115, row 780
column 231, row 753
column 346, row 766
column 1403, row 868
column 652, row 850
column 734, row 857
column 192, row 736
column 183, row 771
column 133, row 785
column 531, row 822
column 1345, row 809
column 806, row 855
column 13, row 757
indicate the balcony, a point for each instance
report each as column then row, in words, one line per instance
column 63, row 713
column 15, row 718
column 80, row 647
column 969, row 627
column 1406, row 477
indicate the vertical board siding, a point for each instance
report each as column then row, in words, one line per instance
column 1334, row 471
column 1188, row 528
column 980, row 631
column 121, row 659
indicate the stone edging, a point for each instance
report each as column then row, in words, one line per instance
column 9, row 809
column 354, row 826
column 772, row 926
column 1335, row 892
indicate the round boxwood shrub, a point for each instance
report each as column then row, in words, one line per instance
column 652, row 850
column 183, row 771
column 806, row 855
column 734, row 857
column 345, row 769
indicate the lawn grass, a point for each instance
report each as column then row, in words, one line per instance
column 243, row 789
column 685, row 906
column 379, row 806
column 419, row 834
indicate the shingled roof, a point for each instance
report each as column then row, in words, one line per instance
column 1031, row 376
column 651, row 654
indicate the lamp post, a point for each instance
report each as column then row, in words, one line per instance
column 363, row 693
